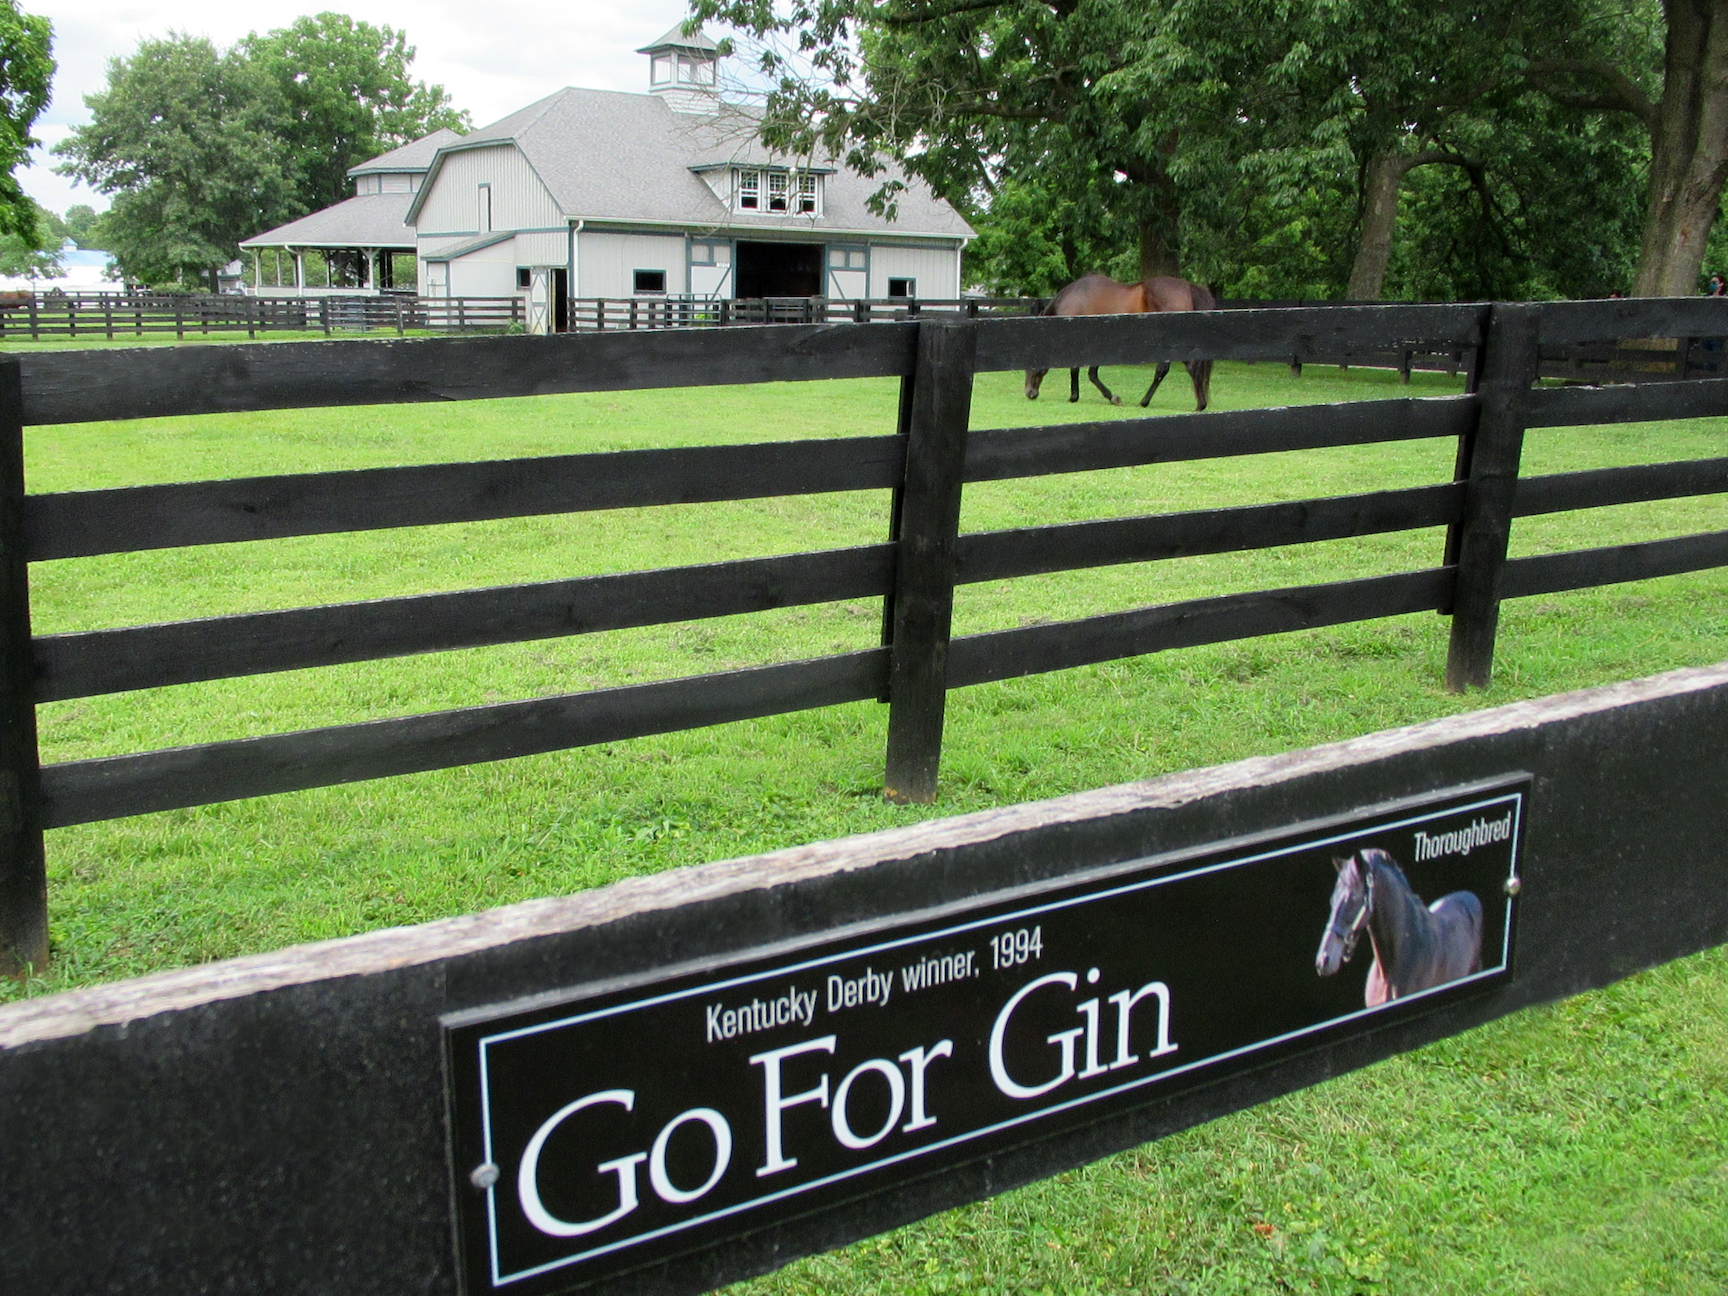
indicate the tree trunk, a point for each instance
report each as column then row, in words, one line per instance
column 1689, row 149
column 1160, row 227
column 1382, row 187
column 1157, row 256
column 1380, row 194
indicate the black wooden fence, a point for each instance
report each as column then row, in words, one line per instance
column 143, row 314
column 924, row 465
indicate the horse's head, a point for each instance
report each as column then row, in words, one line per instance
column 1352, row 900
column 1034, row 380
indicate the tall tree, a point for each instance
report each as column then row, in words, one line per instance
column 184, row 140
column 1667, row 69
column 81, row 223
column 345, row 94
column 26, row 73
column 202, row 147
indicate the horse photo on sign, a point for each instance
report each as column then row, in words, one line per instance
column 1415, row 947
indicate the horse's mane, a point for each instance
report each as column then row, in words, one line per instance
column 1374, row 855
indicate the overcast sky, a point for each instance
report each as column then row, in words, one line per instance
column 493, row 58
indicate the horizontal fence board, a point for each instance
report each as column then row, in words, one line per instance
column 75, row 524
column 116, row 786
column 112, row 661
column 1637, row 483
column 994, row 555
column 83, row 386
column 1048, row 342
column 1627, row 403
column 1030, row 650
column 1586, row 568
column 998, row 454
column 1634, row 317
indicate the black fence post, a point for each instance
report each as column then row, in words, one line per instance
column 23, row 875
column 1489, row 467
column 941, row 405
column 896, row 504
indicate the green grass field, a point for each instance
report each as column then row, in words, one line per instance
column 1576, row 1149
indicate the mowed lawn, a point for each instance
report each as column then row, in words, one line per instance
column 1581, row 1148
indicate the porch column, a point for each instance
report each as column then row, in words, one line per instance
column 299, row 270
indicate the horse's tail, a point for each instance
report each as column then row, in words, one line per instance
column 1201, row 370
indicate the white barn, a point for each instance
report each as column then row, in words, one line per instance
column 603, row 194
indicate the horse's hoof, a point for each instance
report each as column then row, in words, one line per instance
column 1073, row 399
column 1115, row 400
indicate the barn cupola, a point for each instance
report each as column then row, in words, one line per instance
column 683, row 70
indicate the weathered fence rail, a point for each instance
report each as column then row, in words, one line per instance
column 922, row 468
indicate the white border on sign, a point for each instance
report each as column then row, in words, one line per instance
column 500, row 1280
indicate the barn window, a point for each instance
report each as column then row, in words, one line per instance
column 695, row 71
column 848, row 258
column 779, row 191
column 902, row 287
column 650, row 281
column 662, row 69
column 524, row 277
column 702, row 254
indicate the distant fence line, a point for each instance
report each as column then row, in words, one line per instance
column 117, row 316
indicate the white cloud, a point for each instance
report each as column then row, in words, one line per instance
column 493, row 59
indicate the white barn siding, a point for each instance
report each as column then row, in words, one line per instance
column 519, row 200
column 486, row 272
column 936, row 270
column 543, row 249
column 606, row 262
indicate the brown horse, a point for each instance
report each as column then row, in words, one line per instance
column 1097, row 294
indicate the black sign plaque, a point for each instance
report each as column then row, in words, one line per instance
column 600, row 1129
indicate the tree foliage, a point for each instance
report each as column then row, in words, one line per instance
column 1274, row 148
column 38, row 254
column 82, row 225
column 345, row 95
column 26, row 74
column 201, row 147
column 183, row 138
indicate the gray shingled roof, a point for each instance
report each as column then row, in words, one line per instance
column 463, row 248
column 368, row 221
column 676, row 39
column 609, row 155
column 415, row 156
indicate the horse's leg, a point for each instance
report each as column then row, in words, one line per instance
column 1377, row 991
column 1163, row 369
column 1073, row 385
column 1098, row 382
